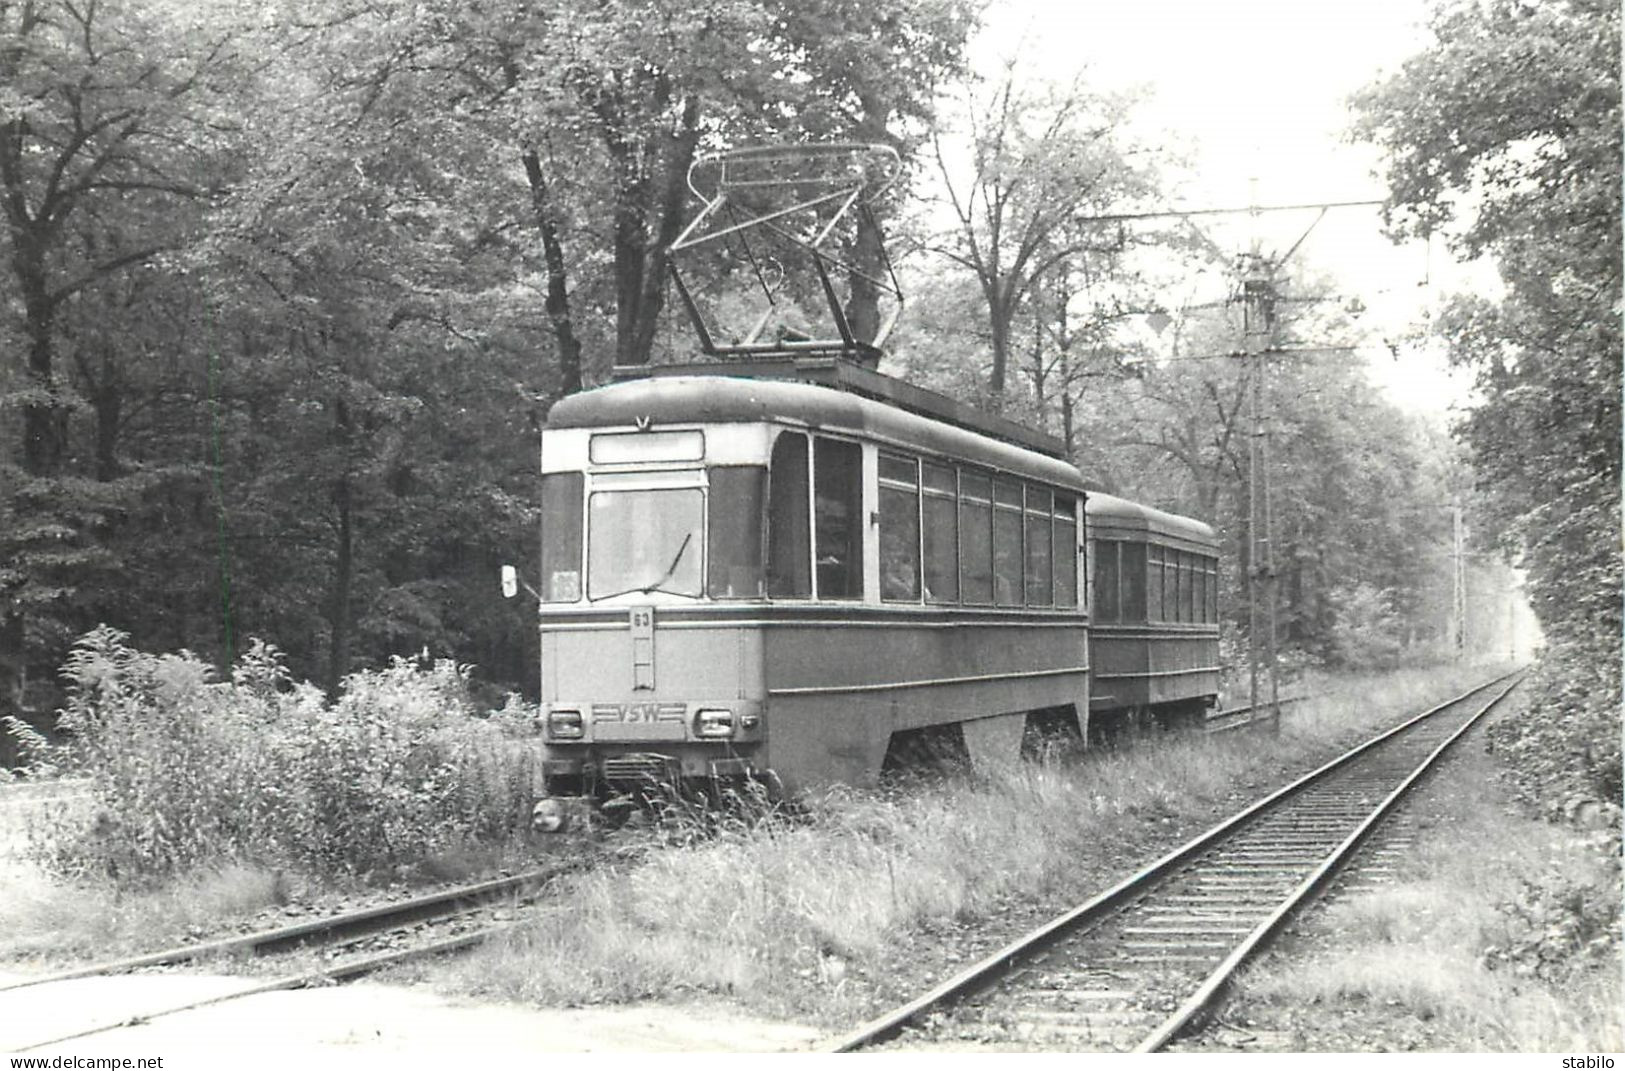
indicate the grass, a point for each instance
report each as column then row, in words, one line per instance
column 1502, row 935
column 784, row 917
column 42, row 918
column 793, row 918
column 48, row 920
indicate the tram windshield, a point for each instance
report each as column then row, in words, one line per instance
column 644, row 541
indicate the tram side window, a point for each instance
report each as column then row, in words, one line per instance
column 1170, row 584
column 1174, row 593
column 899, row 529
column 1007, row 546
column 1134, row 576
column 838, row 518
column 789, row 557
column 734, row 560
column 1190, row 604
column 561, row 536
column 1179, row 574
column 1212, row 592
column 975, row 538
column 941, row 516
column 1153, row 583
column 1182, row 579
column 1066, row 552
column 1107, row 605
column 1040, row 553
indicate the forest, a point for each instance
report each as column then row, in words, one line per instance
column 289, row 288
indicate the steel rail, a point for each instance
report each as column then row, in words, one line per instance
column 983, row 973
column 333, row 973
column 1230, row 712
column 20, row 793
column 1214, row 985
column 329, row 930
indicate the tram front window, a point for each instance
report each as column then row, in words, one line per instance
column 644, row 541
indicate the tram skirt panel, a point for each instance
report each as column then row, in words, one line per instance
column 994, row 743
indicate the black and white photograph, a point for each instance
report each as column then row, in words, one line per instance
column 930, row 528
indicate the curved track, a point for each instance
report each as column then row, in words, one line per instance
column 431, row 925
column 1132, row 968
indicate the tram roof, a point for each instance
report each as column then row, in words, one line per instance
column 1108, row 512
column 708, row 399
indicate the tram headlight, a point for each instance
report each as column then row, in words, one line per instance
column 549, row 816
column 565, row 724
column 714, row 724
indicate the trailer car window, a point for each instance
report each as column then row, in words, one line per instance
column 1007, row 546
column 838, row 518
column 1176, row 593
column 1066, row 552
column 561, row 537
column 1153, row 583
column 1134, row 574
column 1189, row 604
column 734, row 564
column 789, row 526
column 1212, row 592
column 1170, row 586
column 1107, row 605
column 1177, row 579
column 975, row 538
column 899, row 529
column 941, row 520
column 1040, row 561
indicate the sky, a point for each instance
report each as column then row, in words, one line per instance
column 1254, row 93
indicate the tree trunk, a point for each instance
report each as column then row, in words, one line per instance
column 338, row 654
column 108, row 403
column 868, row 244
column 680, row 148
column 631, row 243
column 558, row 294
column 1066, row 423
column 45, row 434
column 45, row 418
column 1000, row 324
column 13, row 663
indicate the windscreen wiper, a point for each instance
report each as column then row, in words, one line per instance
column 647, row 588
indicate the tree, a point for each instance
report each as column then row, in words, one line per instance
column 1505, row 137
column 1041, row 162
column 105, row 127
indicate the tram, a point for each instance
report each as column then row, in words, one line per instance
column 753, row 577
column 777, row 563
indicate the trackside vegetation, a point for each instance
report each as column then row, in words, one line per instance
column 816, row 918
column 186, row 770
column 1500, row 931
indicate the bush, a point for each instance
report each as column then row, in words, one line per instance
column 1367, row 632
column 1563, row 753
column 187, row 770
column 1558, row 924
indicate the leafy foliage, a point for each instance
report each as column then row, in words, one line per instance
column 1564, row 752
column 188, row 770
column 1560, row 924
column 1366, row 630
column 1505, row 135
column 295, row 286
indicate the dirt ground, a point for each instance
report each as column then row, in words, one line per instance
column 361, row 1019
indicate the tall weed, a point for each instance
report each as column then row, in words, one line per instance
column 187, row 770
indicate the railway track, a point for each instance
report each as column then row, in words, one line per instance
column 24, row 803
column 1135, row 966
column 349, row 945
column 1220, row 721
column 20, row 793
